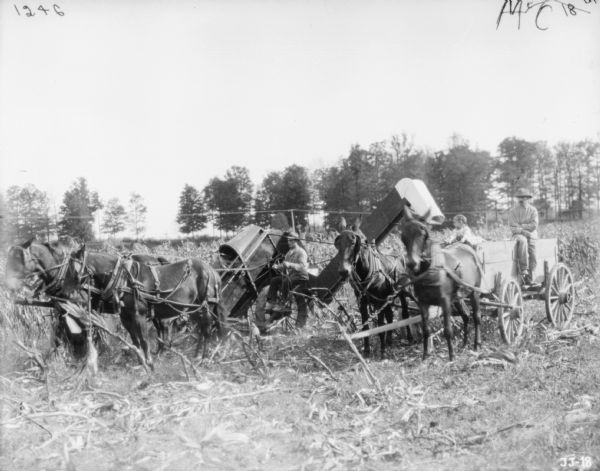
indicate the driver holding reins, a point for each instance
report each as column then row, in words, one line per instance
column 295, row 269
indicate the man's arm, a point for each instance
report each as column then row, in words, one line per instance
column 531, row 222
column 515, row 227
column 300, row 264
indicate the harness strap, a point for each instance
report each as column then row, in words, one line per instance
column 116, row 279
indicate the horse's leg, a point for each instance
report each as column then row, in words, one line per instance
column 127, row 322
column 138, row 328
column 460, row 308
column 219, row 316
column 389, row 317
column 158, row 325
column 385, row 338
column 447, row 313
column 382, row 335
column 364, row 315
column 424, row 308
column 476, row 318
column 406, row 315
column 203, row 329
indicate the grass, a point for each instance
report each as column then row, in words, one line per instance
column 307, row 404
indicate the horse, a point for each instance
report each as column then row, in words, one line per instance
column 160, row 292
column 373, row 277
column 442, row 277
column 41, row 269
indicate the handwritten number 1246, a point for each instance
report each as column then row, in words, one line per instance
column 29, row 12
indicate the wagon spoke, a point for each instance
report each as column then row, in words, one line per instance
column 514, row 329
column 561, row 314
column 563, row 279
column 555, row 308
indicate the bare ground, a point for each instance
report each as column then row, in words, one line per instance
column 307, row 403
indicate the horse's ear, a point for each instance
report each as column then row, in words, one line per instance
column 408, row 213
column 342, row 224
column 68, row 242
column 356, row 225
column 426, row 215
column 28, row 243
column 80, row 252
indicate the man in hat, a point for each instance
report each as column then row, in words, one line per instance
column 295, row 270
column 523, row 221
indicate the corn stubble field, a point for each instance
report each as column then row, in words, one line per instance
column 303, row 400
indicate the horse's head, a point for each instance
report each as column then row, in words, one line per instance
column 30, row 263
column 348, row 244
column 20, row 266
column 414, row 235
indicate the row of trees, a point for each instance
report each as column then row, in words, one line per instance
column 26, row 213
column 565, row 177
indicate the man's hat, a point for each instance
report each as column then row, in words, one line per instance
column 292, row 235
column 524, row 193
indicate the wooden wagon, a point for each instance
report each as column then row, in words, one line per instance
column 552, row 282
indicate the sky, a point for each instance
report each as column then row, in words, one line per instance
column 148, row 96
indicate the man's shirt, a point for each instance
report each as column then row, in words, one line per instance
column 297, row 260
column 524, row 217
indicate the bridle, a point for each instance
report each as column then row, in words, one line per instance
column 49, row 283
column 425, row 249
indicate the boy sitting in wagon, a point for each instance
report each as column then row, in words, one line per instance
column 462, row 233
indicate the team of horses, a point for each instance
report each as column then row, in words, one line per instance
column 142, row 287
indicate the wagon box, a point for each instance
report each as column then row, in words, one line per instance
column 245, row 264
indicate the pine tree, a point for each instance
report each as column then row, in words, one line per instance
column 191, row 216
column 77, row 211
column 27, row 212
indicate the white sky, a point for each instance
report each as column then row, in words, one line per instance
column 147, row 96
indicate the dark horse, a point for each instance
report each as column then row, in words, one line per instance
column 373, row 277
column 40, row 269
column 140, row 291
column 442, row 278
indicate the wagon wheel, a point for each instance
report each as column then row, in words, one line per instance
column 559, row 296
column 510, row 318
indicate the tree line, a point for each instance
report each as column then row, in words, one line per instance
column 563, row 178
column 25, row 213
